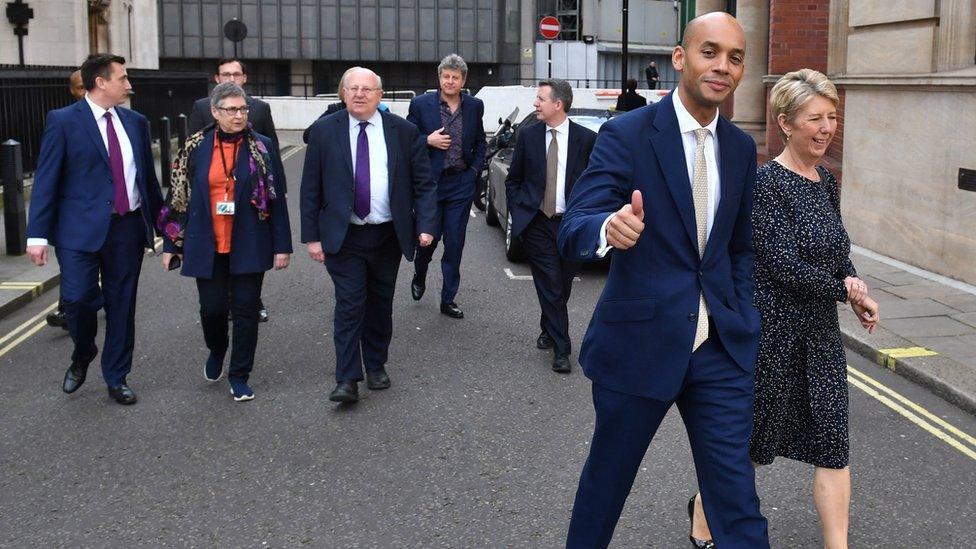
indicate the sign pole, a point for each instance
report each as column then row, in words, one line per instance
column 549, row 61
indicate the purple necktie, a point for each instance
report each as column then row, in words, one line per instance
column 361, row 207
column 115, row 162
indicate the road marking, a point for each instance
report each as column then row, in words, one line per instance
column 514, row 276
column 292, row 152
column 35, row 288
column 864, row 382
column 907, row 352
column 471, row 211
column 26, row 335
column 28, row 322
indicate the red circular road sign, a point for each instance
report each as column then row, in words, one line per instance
column 549, row 27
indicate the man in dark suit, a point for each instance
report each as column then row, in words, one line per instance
column 549, row 157
column 95, row 198
column 366, row 199
column 650, row 71
column 451, row 122
column 670, row 188
column 233, row 70
column 630, row 99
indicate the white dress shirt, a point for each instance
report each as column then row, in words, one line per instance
column 128, row 161
column 687, row 126
column 562, row 141
column 379, row 175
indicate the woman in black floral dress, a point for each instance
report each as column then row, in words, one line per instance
column 802, row 270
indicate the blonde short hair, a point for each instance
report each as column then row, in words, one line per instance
column 793, row 90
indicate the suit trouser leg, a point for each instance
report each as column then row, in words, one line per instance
column 553, row 279
column 381, row 268
column 455, row 223
column 121, row 263
column 625, row 425
column 424, row 255
column 240, row 294
column 347, row 268
column 82, row 299
column 716, row 405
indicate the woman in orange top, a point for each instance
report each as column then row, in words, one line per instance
column 226, row 220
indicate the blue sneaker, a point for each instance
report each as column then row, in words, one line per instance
column 240, row 390
column 214, row 368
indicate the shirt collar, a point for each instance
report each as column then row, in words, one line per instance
column 562, row 128
column 375, row 120
column 687, row 122
column 99, row 111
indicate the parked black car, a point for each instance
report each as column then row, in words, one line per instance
column 496, row 207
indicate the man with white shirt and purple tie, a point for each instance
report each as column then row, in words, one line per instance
column 94, row 198
column 366, row 199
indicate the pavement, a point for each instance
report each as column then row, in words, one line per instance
column 477, row 443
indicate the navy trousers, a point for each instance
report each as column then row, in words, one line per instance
column 119, row 262
column 553, row 278
column 364, row 273
column 455, row 194
column 239, row 295
column 716, row 407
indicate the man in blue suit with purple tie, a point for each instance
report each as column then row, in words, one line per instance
column 95, row 198
column 670, row 188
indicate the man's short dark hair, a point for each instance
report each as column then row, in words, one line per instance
column 98, row 64
column 226, row 60
column 559, row 90
column 631, row 84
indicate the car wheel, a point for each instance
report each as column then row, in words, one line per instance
column 491, row 214
column 513, row 246
column 481, row 196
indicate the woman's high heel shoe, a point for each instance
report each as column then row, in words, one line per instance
column 698, row 543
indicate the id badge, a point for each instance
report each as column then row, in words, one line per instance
column 225, row 208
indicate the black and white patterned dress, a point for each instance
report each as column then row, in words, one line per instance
column 802, row 258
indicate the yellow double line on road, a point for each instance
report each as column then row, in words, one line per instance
column 936, row 426
column 25, row 330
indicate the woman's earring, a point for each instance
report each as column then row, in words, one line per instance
column 787, row 138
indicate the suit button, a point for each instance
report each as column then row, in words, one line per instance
column 693, row 317
column 700, row 274
column 109, row 202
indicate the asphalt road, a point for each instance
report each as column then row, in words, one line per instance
column 477, row 444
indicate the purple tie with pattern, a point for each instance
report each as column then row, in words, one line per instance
column 115, row 162
column 361, row 207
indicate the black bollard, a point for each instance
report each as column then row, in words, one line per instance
column 165, row 155
column 14, row 213
column 181, row 129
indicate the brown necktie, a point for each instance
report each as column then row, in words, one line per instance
column 552, row 163
column 699, row 190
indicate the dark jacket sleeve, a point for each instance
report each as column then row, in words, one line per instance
column 516, row 174
column 310, row 193
column 742, row 253
column 280, row 224
column 480, row 142
column 47, row 177
column 154, row 195
column 424, row 189
column 267, row 126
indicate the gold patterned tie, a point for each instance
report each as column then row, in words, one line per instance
column 552, row 167
column 699, row 190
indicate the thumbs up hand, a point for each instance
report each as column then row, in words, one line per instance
column 627, row 224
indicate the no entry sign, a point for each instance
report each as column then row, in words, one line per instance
column 549, row 27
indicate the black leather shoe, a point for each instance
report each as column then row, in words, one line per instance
column 560, row 363
column 452, row 310
column 122, row 394
column 345, row 391
column 417, row 287
column 75, row 376
column 378, row 380
column 58, row 319
column 544, row 341
column 698, row 543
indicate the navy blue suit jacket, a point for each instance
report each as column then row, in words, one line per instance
column 253, row 242
column 425, row 113
column 71, row 200
column 328, row 183
column 640, row 337
column 525, row 186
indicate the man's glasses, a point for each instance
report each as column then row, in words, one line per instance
column 356, row 89
column 234, row 111
column 234, row 75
